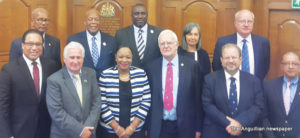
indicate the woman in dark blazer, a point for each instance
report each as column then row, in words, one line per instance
column 126, row 98
column 191, row 47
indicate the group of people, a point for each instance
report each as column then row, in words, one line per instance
column 144, row 83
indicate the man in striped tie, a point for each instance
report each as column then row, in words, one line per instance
column 140, row 37
column 282, row 96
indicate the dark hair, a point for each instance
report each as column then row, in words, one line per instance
column 138, row 5
column 123, row 46
column 31, row 31
column 187, row 29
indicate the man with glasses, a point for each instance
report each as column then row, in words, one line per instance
column 255, row 49
column 51, row 45
column 232, row 99
column 23, row 111
column 99, row 47
column 175, row 81
column 282, row 96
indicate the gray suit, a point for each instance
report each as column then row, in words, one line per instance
column 68, row 116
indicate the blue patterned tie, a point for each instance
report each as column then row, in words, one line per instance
column 232, row 98
column 95, row 53
column 245, row 57
column 141, row 44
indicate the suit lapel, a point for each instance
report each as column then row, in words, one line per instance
column 85, row 88
column 149, row 43
column 296, row 101
column 132, row 43
column 278, row 94
column 25, row 70
column 222, row 90
column 44, row 70
column 181, row 80
column 88, row 57
column 159, row 75
column 255, row 51
column 243, row 91
column 71, row 86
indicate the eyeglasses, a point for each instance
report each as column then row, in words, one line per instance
column 31, row 44
column 167, row 43
column 245, row 22
column 290, row 63
column 41, row 20
column 228, row 58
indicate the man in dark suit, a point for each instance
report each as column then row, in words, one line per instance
column 176, row 93
column 232, row 99
column 255, row 49
column 99, row 47
column 282, row 96
column 73, row 97
column 23, row 111
column 143, row 43
column 51, row 45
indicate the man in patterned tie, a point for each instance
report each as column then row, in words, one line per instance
column 282, row 96
column 99, row 47
column 23, row 111
column 140, row 37
column 255, row 49
column 176, row 92
column 232, row 99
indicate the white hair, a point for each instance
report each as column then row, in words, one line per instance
column 73, row 45
column 240, row 11
column 167, row 31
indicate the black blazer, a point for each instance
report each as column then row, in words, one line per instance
column 125, row 37
column 22, row 113
column 51, row 49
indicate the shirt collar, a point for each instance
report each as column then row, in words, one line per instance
column 240, row 38
column 89, row 36
column 29, row 62
column 293, row 81
column 144, row 28
column 72, row 74
column 174, row 61
column 236, row 75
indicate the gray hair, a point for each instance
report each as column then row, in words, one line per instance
column 73, row 45
column 231, row 45
column 240, row 11
column 187, row 29
column 290, row 53
column 167, row 31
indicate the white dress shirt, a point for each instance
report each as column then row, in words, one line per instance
column 144, row 34
column 98, row 41
column 250, row 50
column 30, row 66
column 237, row 84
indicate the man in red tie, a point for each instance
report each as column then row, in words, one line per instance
column 176, row 92
column 23, row 111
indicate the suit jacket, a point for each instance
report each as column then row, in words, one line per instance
column 51, row 49
column 22, row 113
column 126, row 37
column 275, row 110
column 261, row 50
column 188, row 111
column 69, row 117
column 216, row 106
column 107, row 53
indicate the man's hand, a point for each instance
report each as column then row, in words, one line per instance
column 198, row 134
column 234, row 128
column 87, row 132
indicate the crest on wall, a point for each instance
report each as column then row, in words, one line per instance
column 107, row 10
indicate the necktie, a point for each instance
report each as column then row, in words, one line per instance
column 95, row 53
column 286, row 98
column 245, row 57
column 36, row 78
column 141, row 44
column 168, row 97
column 233, row 97
column 78, row 87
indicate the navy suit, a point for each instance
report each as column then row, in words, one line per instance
column 276, row 116
column 261, row 50
column 22, row 113
column 126, row 37
column 189, row 109
column 107, row 53
column 216, row 106
column 51, row 49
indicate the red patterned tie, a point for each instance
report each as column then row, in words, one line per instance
column 36, row 78
column 168, row 98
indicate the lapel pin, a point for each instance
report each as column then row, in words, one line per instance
column 299, row 93
column 49, row 44
column 181, row 64
column 151, row 31
column 85, row 81
column 104, row 43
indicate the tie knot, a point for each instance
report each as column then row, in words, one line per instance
column 140, row 31
column 34, row 63
column 76, row 76
column 170, row 64
column 288, row 84
column 232, row 79
column 244, row 40
column 93, row 38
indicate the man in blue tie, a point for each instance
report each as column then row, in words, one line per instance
column 232, row 99
column 282, row 96
column 255, row 49
column 99, row 47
